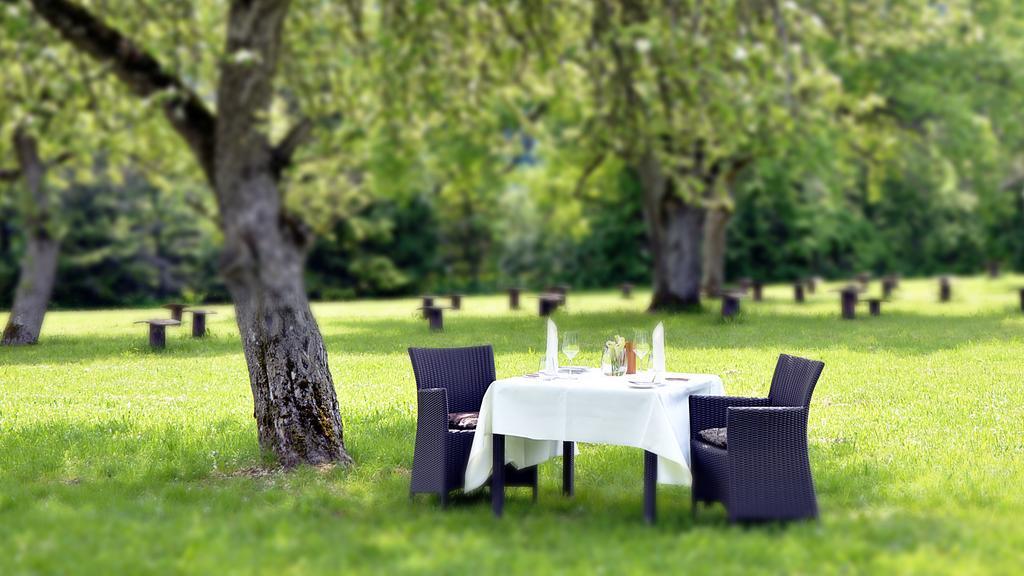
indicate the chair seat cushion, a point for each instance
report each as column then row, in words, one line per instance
column 463, row 420
column 715, row 436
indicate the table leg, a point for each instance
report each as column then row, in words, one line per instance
column 568, row 468
column 498, row 475
column 650, row 486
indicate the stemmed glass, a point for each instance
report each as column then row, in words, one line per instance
column 641, row 345
column 571, row 348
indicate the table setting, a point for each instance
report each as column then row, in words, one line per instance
column 529, row 419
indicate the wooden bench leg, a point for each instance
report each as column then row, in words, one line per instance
column 198, row 325
column 157, row 336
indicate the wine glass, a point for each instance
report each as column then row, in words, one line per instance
column 571, row 348
column 641, row 345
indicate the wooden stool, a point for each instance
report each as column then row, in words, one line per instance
column 730, row 304
column 627, row 290
column 175, row 309
column 758, row 288
column 993, row 269
column 435, row 316
column 561, row 290
column 426, row 302
column 158, row 331
column 513, row 298
column 945, row 290
column 875, row 306
column 848, row 300
column 798, row 292
column 888, row 285
column 456, row 301
column 548, row 303
column 199, row 322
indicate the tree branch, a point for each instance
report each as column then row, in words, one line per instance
column 588, row 170
column 59, row 159
column 139, row 71
column 9, row 174
column 285, row 150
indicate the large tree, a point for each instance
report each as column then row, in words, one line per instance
column 363, row 94
column 46, row 97
column 229, row 135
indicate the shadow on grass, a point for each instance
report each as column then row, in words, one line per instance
column 903, row 332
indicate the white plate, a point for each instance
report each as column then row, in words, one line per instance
column 572, row 370
column 642, row 384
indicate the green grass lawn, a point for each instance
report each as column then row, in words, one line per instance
column 115, row 459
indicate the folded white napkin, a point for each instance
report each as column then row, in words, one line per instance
column 658, row 348
column 551, row 355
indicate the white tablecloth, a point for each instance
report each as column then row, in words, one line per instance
column 537, row 415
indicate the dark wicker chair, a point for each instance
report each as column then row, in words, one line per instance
column 763, row 472
column 451, row 380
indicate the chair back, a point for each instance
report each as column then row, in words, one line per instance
column 794, row 380
column 464, row 372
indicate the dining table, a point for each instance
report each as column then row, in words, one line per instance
column 527, row 420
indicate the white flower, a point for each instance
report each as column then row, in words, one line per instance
column 740, row 54
column 643, row 45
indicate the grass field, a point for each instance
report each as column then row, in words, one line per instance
column 118, row 460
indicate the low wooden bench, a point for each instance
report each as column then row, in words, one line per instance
column 561, row 290
column 175, row 309
column 798, row 291
column 199, row 321
column 730, row 304
column 945, row 289
column 158, row 330
column 435, row 317
column 426, row 301
column 993, row 269
column 627, row 290
column 848, row 301
column 888, row 285
column 548, row 302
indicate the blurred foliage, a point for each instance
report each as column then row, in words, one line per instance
column 473, row 146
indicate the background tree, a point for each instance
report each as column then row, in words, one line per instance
column 46, row 99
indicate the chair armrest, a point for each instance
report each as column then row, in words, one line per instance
column 430, row 454
column 711, row 411
column 432, row 414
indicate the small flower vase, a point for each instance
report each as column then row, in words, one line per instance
column 613, row 361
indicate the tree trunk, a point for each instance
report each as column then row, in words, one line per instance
column 295, row 405
column 675, row 230
column 714, row 249
column 39, row 264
